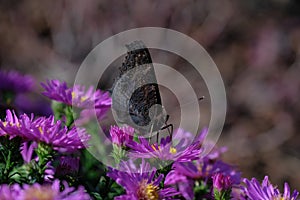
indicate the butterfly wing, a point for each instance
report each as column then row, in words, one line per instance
column 136, row 91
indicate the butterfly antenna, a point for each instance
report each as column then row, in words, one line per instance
column 199, row 99
column 151, row 132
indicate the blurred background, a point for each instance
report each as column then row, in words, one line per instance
column 255, row 44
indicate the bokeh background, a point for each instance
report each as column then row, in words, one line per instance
column 255, row 44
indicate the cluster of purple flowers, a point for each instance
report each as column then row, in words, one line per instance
column 90, row 101
column 45, row 158
column 140, row 182
column 42, row 192
column 191, row 176
column 45, row 130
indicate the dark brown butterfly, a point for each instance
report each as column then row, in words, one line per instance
column 136, row 98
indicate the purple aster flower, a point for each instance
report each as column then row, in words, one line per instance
column 76, row 96
column 140, row 183
column 58, row 91
column 183, row 151
column 265, row 191
column 92, row 103
column 221, row 182
column 45, row 130
column 203, row 169
column 42, row 192
column 15, row 82
column 184, row 175
column 53, row 133
column 121, row 136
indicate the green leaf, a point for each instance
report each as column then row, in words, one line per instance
column 96, row 196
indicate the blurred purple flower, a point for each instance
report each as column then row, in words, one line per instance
column 45, row 130
column 33, row 103
column 256, row 191
column 76, row 96
column 9, row 192
column 41, row 192
column 67, row 165
column 221, row 182
column 140, row 183
column 15, row 82
column 121, row 136
column 224, row 168
column 182, row 152
column 49, row 173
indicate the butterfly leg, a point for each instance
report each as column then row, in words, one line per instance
column 168, row 126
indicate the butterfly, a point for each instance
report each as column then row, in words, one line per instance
column 136, row 98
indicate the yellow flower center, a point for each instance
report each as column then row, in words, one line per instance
column 151, row 192
column 282, row 198
column 4, row 124
column 11, row 124
column 173, row 150
column 82, row 99
column 73, row 95
column 157, row 148
column 42, row 193
column 41, row 130
column 148, row 191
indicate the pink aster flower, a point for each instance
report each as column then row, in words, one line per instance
column 140, row 182
column 184, row 151
column 45, row 130
column 121, row 136
column 76, row 96
column 221, row 181
column 92, row 103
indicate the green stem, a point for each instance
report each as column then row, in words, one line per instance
column 7, row 166
column 45, row 154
